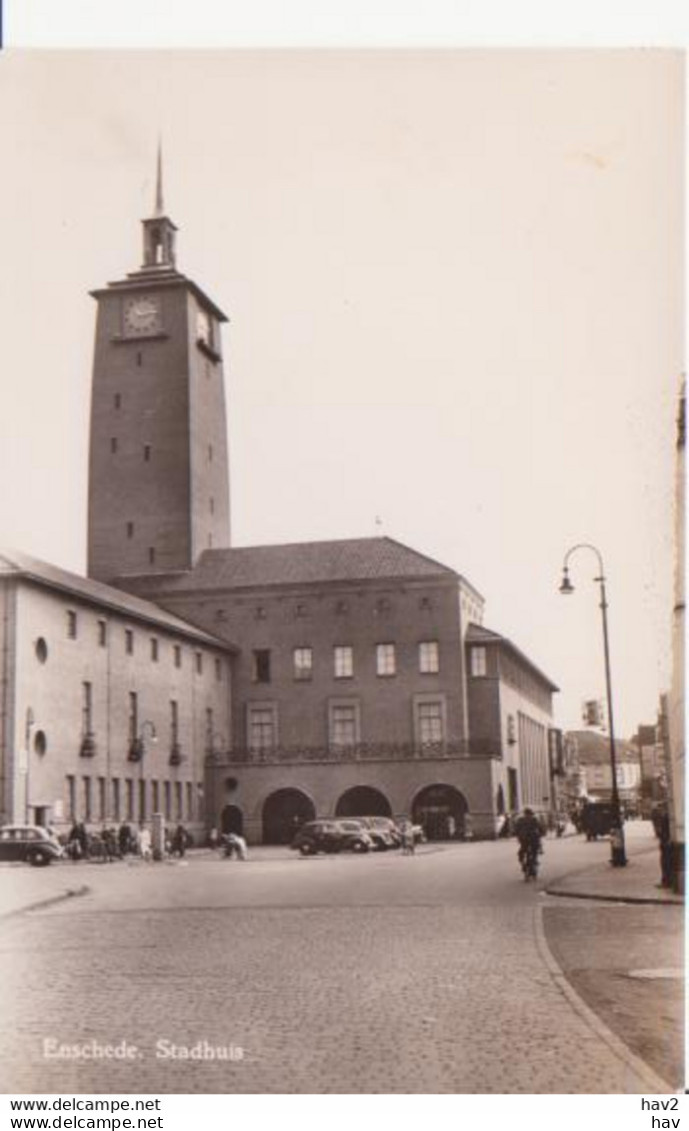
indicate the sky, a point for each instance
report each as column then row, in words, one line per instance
column 454, row 282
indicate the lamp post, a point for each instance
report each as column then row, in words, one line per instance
column 618, row 857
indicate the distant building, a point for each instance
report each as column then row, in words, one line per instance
column 674, row 734
column 593, row 756
column 652, row 758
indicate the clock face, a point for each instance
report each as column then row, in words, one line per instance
column 141, row 315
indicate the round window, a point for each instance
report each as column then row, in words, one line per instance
column 41, row 650
column 40, row 742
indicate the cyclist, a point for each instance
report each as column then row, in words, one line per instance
column 529, row 834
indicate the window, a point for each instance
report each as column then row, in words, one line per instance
column 385, row 659
column 344, row 724
column 430, row 723
column 102, row 633
column 261, row 666
column 178, row 801
column 199, row 663
column 71, row 624
column 154, row 649
column 142, row 800
column 211, row 505
column 478, row 661
column 130, row 530
column 86, row 709
column 41, row 649
column 118, row 400
column 190, row 807
column 155, row 796
column 178, row 656
column 174, row 723
column 429, row 661
column 218, row 668
column 168, row 800
column 129, row 788
column 128, row 641
column 71, row 797
column 113, row 444
column 101, row 799
column 303, row 663
column 87, row 798
column 210, row 732
column 261, row 726
column 210, row 453
column 151, row 555
column 133, row 716
column 116, row 799
column 344, row 662
column 147, row 453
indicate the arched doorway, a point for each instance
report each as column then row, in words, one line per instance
column 284, row 812
column 442, row 811
column 232, row 820
column 363, row 801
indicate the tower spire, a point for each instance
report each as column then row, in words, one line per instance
column 159, row 207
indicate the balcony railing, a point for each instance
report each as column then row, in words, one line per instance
column 362, row 752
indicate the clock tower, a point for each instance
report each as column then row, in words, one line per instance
column 158, row 463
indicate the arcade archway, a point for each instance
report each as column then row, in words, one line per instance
column 363, row 801
column 442, row 811
column 284, row 812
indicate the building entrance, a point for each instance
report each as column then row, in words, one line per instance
column 284, row 812
column 363, row 801
column 442, row 812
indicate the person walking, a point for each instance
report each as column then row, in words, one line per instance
column 179, row 841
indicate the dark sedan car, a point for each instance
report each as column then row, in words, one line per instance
column 332, row 836
column 28, row 843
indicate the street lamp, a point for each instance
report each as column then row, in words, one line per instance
column 618, row 857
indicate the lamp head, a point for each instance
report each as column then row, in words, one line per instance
column 566, row 586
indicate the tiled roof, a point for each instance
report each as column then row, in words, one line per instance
column 14, row 563
column 477, row 634
column 303, row 563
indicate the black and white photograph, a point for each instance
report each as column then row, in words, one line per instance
column 341, row 571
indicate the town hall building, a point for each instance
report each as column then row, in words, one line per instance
column 354, row 677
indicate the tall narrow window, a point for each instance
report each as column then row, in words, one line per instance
column 478, row 661
column 344, row 724
column 178, row 801
column 147, row 453
column 151, row 555
column 128, row 641
column 130, row 530
column 154, row 649
column 133, row 716
column 102, row 633
column 218, row 668
column 209, row 730
column 129, row 789
column 344, row 662
column 190, row 807
column 117, row 400
column 71, row 797
column 429, row 717
column 199, row 663
column 71, row 624
column 142, row 801
column 303, row 663
column 87, row 799
column 86, row 709
column 262, row 726
column 261, row 665
column 178, row 656
column 101, row 799
column 168, row 800
column 155, row 796
column 113, row 444
column 116, row 812
column 174, row 723
column 429, row 662
column 385, row 659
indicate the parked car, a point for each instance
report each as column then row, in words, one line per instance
column 382, row 831
column 29, row 843
column 342, row 835
column 597, row 819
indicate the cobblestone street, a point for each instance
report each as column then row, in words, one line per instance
column 333, row 974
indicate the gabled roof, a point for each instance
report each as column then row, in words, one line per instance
column 13, row 563
column 477, row 634
column 303, row 563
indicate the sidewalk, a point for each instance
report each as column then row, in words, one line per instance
column 635, row 883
